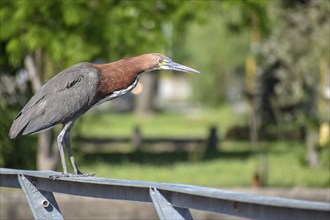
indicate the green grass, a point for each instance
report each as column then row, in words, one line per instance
column 288, row 167
column 203, row 174
column 234, row 166
column 230, row 168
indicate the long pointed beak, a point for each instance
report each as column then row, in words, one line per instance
column 178, row 67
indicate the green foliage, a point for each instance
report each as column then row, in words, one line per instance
column 72, row 31
column 15, row 154
column 247, row 15
column 290, row 61
column 5, row 144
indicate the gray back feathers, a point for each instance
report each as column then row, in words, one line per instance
column 62, row 99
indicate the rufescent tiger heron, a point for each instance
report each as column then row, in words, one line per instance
column 72, row 92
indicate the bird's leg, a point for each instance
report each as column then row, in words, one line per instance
column 61, row 144
column 72, row 159
column 68, row 147
column 67, row 144
column 63, row 140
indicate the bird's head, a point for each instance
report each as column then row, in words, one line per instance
column 160, row 62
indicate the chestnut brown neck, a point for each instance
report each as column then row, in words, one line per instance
column 120, row 75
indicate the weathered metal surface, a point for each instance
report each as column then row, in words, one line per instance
column 185, row 196
column 42, row 203
column 166, row 210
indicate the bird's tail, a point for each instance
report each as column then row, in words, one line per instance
column 18, row 126
column 30, row 121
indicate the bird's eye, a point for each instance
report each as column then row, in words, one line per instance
column 160, row 61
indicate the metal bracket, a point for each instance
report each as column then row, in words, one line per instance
column 164, row 208
column 42, row 203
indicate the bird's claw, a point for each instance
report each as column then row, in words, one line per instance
column 83, row 175
column 54, row 177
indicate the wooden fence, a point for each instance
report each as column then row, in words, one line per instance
column 210, row 143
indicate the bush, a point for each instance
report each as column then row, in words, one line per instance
column 20, row 153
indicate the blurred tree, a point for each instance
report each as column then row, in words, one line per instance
column 220, row 44
column 291, row 59
column 288, row 40
column 48, row 36
column 173, row 29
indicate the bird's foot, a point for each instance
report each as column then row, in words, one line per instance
column 79, row 174
column 54, row 177
column 82, row 175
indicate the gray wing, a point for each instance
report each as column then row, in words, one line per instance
column 63, row 98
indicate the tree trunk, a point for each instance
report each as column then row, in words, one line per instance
column 145, row 103
column 47, row 156
column 311, row 142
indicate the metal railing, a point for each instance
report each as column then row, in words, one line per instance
column 171, row 201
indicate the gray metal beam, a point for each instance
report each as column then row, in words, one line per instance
column 166, row 210
column 185, row 196
column 42, row 203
